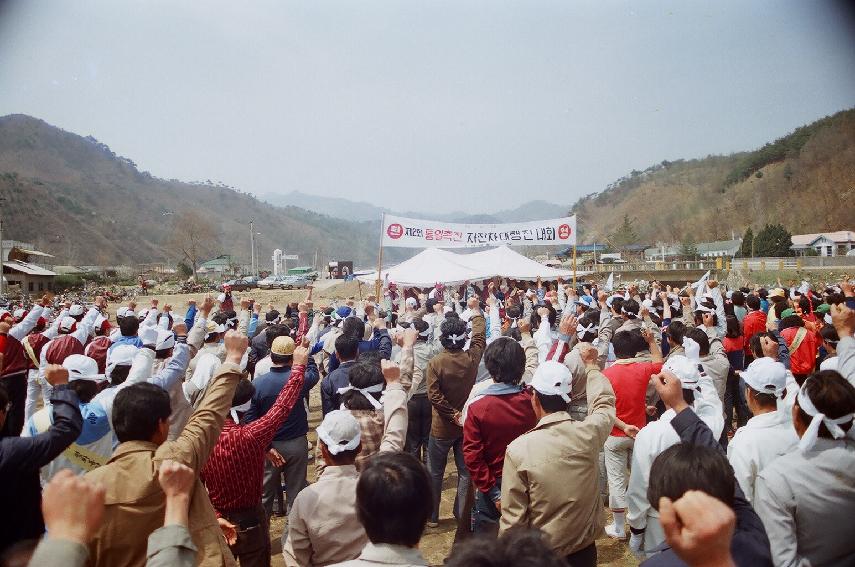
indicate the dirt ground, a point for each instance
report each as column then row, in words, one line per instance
column 436, row 542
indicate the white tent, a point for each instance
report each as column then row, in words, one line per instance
column 433, row 265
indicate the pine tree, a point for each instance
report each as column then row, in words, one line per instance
column 773, row 241
column 747, row 241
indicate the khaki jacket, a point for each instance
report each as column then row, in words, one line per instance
column 135, row 502
column 550, row 477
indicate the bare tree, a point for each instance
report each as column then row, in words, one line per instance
column 192, row 237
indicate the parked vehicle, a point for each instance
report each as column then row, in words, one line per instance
column 242, row 284
column 295, row 282
column 272, row 282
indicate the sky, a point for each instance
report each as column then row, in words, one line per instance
column 458, row 105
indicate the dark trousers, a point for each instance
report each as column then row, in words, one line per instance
column 734, row 399
column 585, row 557
column 16, row 386
column 485, row 516
column 252, row 548
column 437, row 459
column 296, row 455
column 418, row 426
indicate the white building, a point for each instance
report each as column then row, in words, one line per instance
column 836, row 243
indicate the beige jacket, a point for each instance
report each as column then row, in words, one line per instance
column 135, row 502
column 550, row 477
column 322, row 526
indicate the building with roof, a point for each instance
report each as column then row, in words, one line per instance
column 220, row 265
column 21, row 267
column 836, row 243
column 719, row 248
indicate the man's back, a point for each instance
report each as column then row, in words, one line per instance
column 267, row 388
column 762, row 440
column 806, row 501
column 134, row 500
column 322, row 526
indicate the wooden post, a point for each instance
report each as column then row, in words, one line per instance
column 574, row 267
column 378, row 285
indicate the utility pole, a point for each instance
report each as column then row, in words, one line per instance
column 251, row 247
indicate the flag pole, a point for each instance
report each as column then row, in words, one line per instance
column 378, row 284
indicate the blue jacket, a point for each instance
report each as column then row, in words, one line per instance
column 381, row 341
column 123, row 340
column 338, row 378
column 267, row 388
column 750, row 544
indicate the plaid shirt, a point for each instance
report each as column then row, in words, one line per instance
column 234, row 472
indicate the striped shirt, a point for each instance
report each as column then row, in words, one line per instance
column 234, row 472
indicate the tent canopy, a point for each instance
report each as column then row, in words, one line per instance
column 433, row 265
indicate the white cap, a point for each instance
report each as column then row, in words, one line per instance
column 76, row 310
column 684, row 369
column 766, row 376
column 339, row 431
column 141, row 315
column 411, row 301
column 165, row 339
column 120, row 355
column 82, row 367
column 67, row 324
column 124, row 312
column 552, row 379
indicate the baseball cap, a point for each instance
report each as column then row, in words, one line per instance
column 339, row 431
column 766, row 376
column 585, row 300
column 165, row 339
column 82, row 367
column 75, row 310
column 684, row 369
column 212, row 327
column 283, row 346
column 343, row 311
column 777, row 292
column 552, row 379
column 67, row 324
column 124, row 312
column 120, row 355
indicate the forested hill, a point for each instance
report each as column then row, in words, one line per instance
column 73, row 197
column 805, row 181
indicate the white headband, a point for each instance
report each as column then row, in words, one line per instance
column 241, row 408
column 582, row 330
column 425, row 333
column 365, row 391
column 808, row 440
column 456, row 338
column 629, row 313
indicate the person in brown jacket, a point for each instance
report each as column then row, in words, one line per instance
column 450, row 377
column 134, row 500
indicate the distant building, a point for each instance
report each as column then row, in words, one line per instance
column 720, row 248
column 21, row 267
column 836, row 243
column 217, row 266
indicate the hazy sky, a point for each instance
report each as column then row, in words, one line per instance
column 475, row 105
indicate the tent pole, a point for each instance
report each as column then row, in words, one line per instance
column 378, row 284
column 574, row 266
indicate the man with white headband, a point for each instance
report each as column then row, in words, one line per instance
column 550, row 478
column 450, row 377
column 700, row 393
column 331, row 501
column 234, row 472
column 768, row 434
column 806, row 497
column 95, row 444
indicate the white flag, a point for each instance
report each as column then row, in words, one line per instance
column 610, row 283
column 701, row 282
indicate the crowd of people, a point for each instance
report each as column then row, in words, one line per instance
column 707, row 426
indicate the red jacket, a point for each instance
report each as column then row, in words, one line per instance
column 803, row 359
column 492, row 422
column 754, row 322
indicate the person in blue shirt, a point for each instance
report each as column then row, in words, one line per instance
column 290, row 442
column 346, row 350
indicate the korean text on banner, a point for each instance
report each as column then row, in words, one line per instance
column 417, row 233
